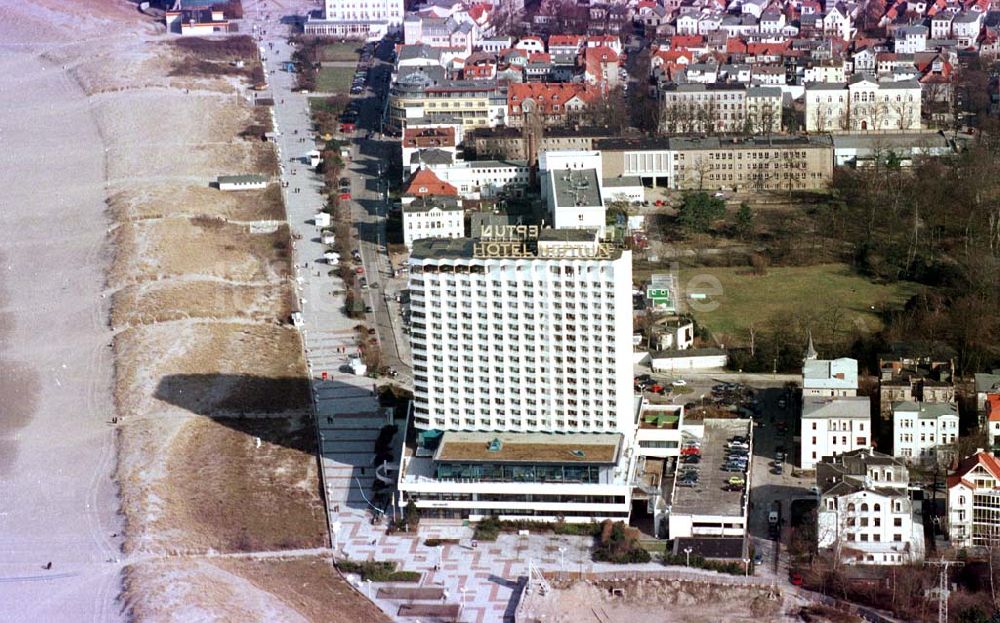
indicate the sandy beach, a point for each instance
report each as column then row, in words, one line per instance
column 57, row 458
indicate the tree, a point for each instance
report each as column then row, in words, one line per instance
column 744, row 221
column 412, row 515
column 699, row 210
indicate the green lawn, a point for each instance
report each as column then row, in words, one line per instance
column 826, row 296
column 343, row 51
column 334, row 79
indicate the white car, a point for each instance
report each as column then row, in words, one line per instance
column 679, row 383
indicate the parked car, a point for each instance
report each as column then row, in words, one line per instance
column 689, row 450
column 778, row 470
column 679, row 383
column 737, row 480
column 691, row 459
column 369, row 309
column 795, row 578
column 687, row 483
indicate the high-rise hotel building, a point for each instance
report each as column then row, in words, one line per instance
column 522, row 344
column 522, row 366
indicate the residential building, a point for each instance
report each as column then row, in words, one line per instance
column 965, row 28
column 555, row 103
column 915, row 372
column 432, row 217
column 986, row 383
column 520, row 334
column 720, row 107
column 601, row 65
column 506, row 142
column 830, row 377
column 832, row 426
column 484, row 179
column 974, row 502
column 921, row 429
column 367, row 19
column 992, row 418
column 426, row 94
column 865, row 515
column 863, row 104
column 415, row 140
column 424, row 183
column 910, row 39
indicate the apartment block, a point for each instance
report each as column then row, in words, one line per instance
column 920, row 429
column 974, row 502
column 832, row 426
column 719, row 108
column 865, row 515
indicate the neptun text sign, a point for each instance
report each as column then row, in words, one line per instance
column 514, row 249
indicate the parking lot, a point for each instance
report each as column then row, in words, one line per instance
column 712, row 494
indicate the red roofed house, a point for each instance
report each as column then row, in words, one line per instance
column 974, row 502
column 419, row 139
column 610, row 41
column 555, row 101
column 425, row 183
column 601, row 67
column 993, row 419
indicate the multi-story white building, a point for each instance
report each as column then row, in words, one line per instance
column 865, row 515
column 863, row 104
column 571, row 188
column 483, row 179
column 830, row 377
column 364, row 19
column 910, row 39
column 832, row 426
column 974, row 502
column 526, row 334
column 920, row 428
column 432, row 217
column 720, row 107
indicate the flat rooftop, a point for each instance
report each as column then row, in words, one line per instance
column 529, row 448
column 576, row 187
column 709, row 497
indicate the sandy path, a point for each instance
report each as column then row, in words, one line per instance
column 57, row 500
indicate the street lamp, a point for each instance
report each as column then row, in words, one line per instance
column 746, row 567
column 687, row 553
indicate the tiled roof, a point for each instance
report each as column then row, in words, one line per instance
column 547, row 95
column 425, row 184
